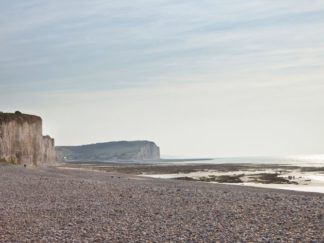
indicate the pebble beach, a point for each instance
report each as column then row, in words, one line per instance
column 69, row 205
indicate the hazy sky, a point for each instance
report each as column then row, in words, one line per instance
column 200, row 78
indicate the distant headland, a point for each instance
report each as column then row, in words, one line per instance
column 120, row 151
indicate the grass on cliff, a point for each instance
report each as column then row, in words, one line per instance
column 18, row 117
column 11, row 161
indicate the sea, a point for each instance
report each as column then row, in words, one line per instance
column 315, row 177
column 297, row 160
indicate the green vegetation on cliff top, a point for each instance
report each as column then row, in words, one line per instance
column 18, row 117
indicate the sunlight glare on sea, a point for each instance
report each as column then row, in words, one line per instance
column 307, row 160
column 296, row 160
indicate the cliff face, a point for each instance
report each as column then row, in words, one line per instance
column 48, row 150
column 111, row 151
column 149, row 150
column 22, row 142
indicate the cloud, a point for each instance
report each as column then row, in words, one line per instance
column 219, row 69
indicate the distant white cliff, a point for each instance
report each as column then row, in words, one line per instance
column 110, row 151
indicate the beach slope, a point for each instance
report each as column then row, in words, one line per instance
column 57, row 205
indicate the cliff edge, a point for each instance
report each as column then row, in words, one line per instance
column 22, row 142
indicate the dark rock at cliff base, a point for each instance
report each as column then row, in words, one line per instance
column 111, row 151
column 22, row 142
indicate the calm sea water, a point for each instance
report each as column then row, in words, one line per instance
column 304, row 160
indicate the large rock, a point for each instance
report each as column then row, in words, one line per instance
column 22, row 142
column 111, row 151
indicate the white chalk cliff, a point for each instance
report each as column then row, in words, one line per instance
column 22, row 142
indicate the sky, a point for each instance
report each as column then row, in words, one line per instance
column 200, row 78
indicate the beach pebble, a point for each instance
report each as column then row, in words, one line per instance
column 51, row 205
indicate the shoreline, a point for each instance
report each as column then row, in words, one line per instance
column 286, row 177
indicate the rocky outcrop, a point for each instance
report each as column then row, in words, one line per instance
column 22, row 142
column 111, row 151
